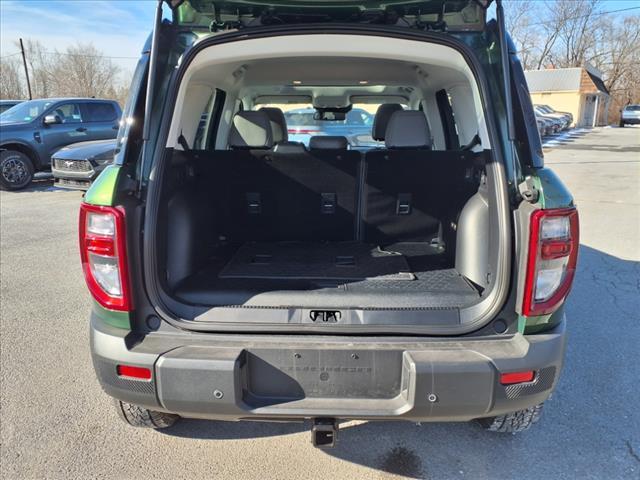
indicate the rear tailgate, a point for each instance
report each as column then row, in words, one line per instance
column 443, row 15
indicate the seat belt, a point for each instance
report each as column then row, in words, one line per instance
column 183, row 142
column 474, row 141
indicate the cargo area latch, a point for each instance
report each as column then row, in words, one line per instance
column 325, row 316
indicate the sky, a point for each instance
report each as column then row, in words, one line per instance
column 118, row 28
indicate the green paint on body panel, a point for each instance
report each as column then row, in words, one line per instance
column 103, row 188
column 111, row 317
column 554, row 193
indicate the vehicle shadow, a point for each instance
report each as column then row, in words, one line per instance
column 577, row 436
column 42, row 182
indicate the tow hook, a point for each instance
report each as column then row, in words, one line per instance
column 324, row 432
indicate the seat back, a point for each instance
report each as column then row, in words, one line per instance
column 317, row 194
column 409, row 189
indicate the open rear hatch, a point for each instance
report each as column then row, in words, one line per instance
column 441, row 15
column 224, row 261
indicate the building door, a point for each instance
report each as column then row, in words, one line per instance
column 588, row 111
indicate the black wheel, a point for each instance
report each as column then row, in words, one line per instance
column 138, row 416
column 513, row 422
column 16, row 170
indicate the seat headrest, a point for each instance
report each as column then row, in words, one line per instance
column 251, row 130
column 290, row 148
column 381, row 120
column 278, row 124
column 408, row 129
column 328, row 142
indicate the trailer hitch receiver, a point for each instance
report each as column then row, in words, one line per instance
column 324, row 432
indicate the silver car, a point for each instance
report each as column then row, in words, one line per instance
column 630, row 115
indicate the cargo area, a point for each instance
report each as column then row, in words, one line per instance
column 304, row 229
column 283, row 198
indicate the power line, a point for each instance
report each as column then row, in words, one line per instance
column 87, row 56
column 73, row 55
column 593, row 14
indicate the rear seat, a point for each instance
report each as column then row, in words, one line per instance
column 410, row 189
column 265, row 193
column 317, row 190
column 242, row 197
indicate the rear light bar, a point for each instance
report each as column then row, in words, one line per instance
column 551, row 264
column 104, row 256
column 517, row 377
column 140, row 373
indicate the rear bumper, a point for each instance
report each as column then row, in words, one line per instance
column 236, row 377
column 631, row 121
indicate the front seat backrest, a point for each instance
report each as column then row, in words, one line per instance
column 251, row 130
column 381, row 120
column 278, row 124
column 408, row 130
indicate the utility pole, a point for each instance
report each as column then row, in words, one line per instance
column 26, row 71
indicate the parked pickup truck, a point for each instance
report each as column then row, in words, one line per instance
column 32, row 131
column 238, row 275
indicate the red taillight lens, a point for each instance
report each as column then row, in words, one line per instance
column 517, row 377
column 140, row 373
column 551, row 265
column 103, row 254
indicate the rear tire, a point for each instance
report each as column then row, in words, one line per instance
column 138, row 416
column 16, row 170
column 513, row 422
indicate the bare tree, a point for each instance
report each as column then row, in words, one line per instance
column 40, row 66
column 83, row 71
column 616, row 53
column 80, row 70
column 574, row 23
column 518, row 22
column 11, row 73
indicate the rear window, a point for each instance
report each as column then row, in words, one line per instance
column 100, row 112
column 632, row 108
column 356, row 127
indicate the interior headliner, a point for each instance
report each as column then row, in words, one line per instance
column 335, row 65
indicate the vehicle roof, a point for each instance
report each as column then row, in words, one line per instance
column 84, row 99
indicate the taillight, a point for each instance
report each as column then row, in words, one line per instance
column 553, row 253
column 103, row 254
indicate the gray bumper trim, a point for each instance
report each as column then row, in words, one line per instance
column 237, row 377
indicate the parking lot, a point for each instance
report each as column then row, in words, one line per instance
column 57, row 423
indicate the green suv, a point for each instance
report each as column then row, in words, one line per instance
column 240, row 275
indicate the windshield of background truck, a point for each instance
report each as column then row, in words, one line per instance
column 25, row 112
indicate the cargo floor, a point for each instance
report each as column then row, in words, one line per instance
column 329, row 275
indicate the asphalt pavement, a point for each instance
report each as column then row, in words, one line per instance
column 55, row 421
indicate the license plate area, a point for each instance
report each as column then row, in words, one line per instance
column 271, row 377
